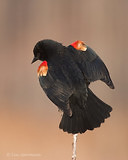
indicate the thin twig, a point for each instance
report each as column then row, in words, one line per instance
column 74, row 147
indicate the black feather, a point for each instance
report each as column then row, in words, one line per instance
column 88, row 118
column 91, row 65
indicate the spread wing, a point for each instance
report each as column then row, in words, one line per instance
column 91, row 65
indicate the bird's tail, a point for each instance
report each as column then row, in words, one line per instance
column 86, row 117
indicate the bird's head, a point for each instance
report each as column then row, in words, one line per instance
column 79, row 45
column 45, row 49
column 38, row 52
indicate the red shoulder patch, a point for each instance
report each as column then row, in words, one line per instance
column 42, row 69
column 79, row 45
column 75, row 44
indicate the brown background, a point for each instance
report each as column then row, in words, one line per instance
column 28, row 120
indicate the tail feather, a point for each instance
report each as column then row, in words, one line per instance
column 85, row 117
column 94, row 115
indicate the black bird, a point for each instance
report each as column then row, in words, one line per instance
column 65, row 75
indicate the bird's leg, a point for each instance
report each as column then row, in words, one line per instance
column 74, row 147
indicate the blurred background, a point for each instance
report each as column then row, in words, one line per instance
column 28, row 120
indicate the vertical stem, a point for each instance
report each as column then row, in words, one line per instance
column 74, row 147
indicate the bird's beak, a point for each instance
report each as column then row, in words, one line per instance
column 34, row 59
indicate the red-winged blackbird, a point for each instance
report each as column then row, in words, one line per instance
column 65, row 75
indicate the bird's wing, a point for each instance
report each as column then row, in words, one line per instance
column 57, row 92
column 92, row 66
